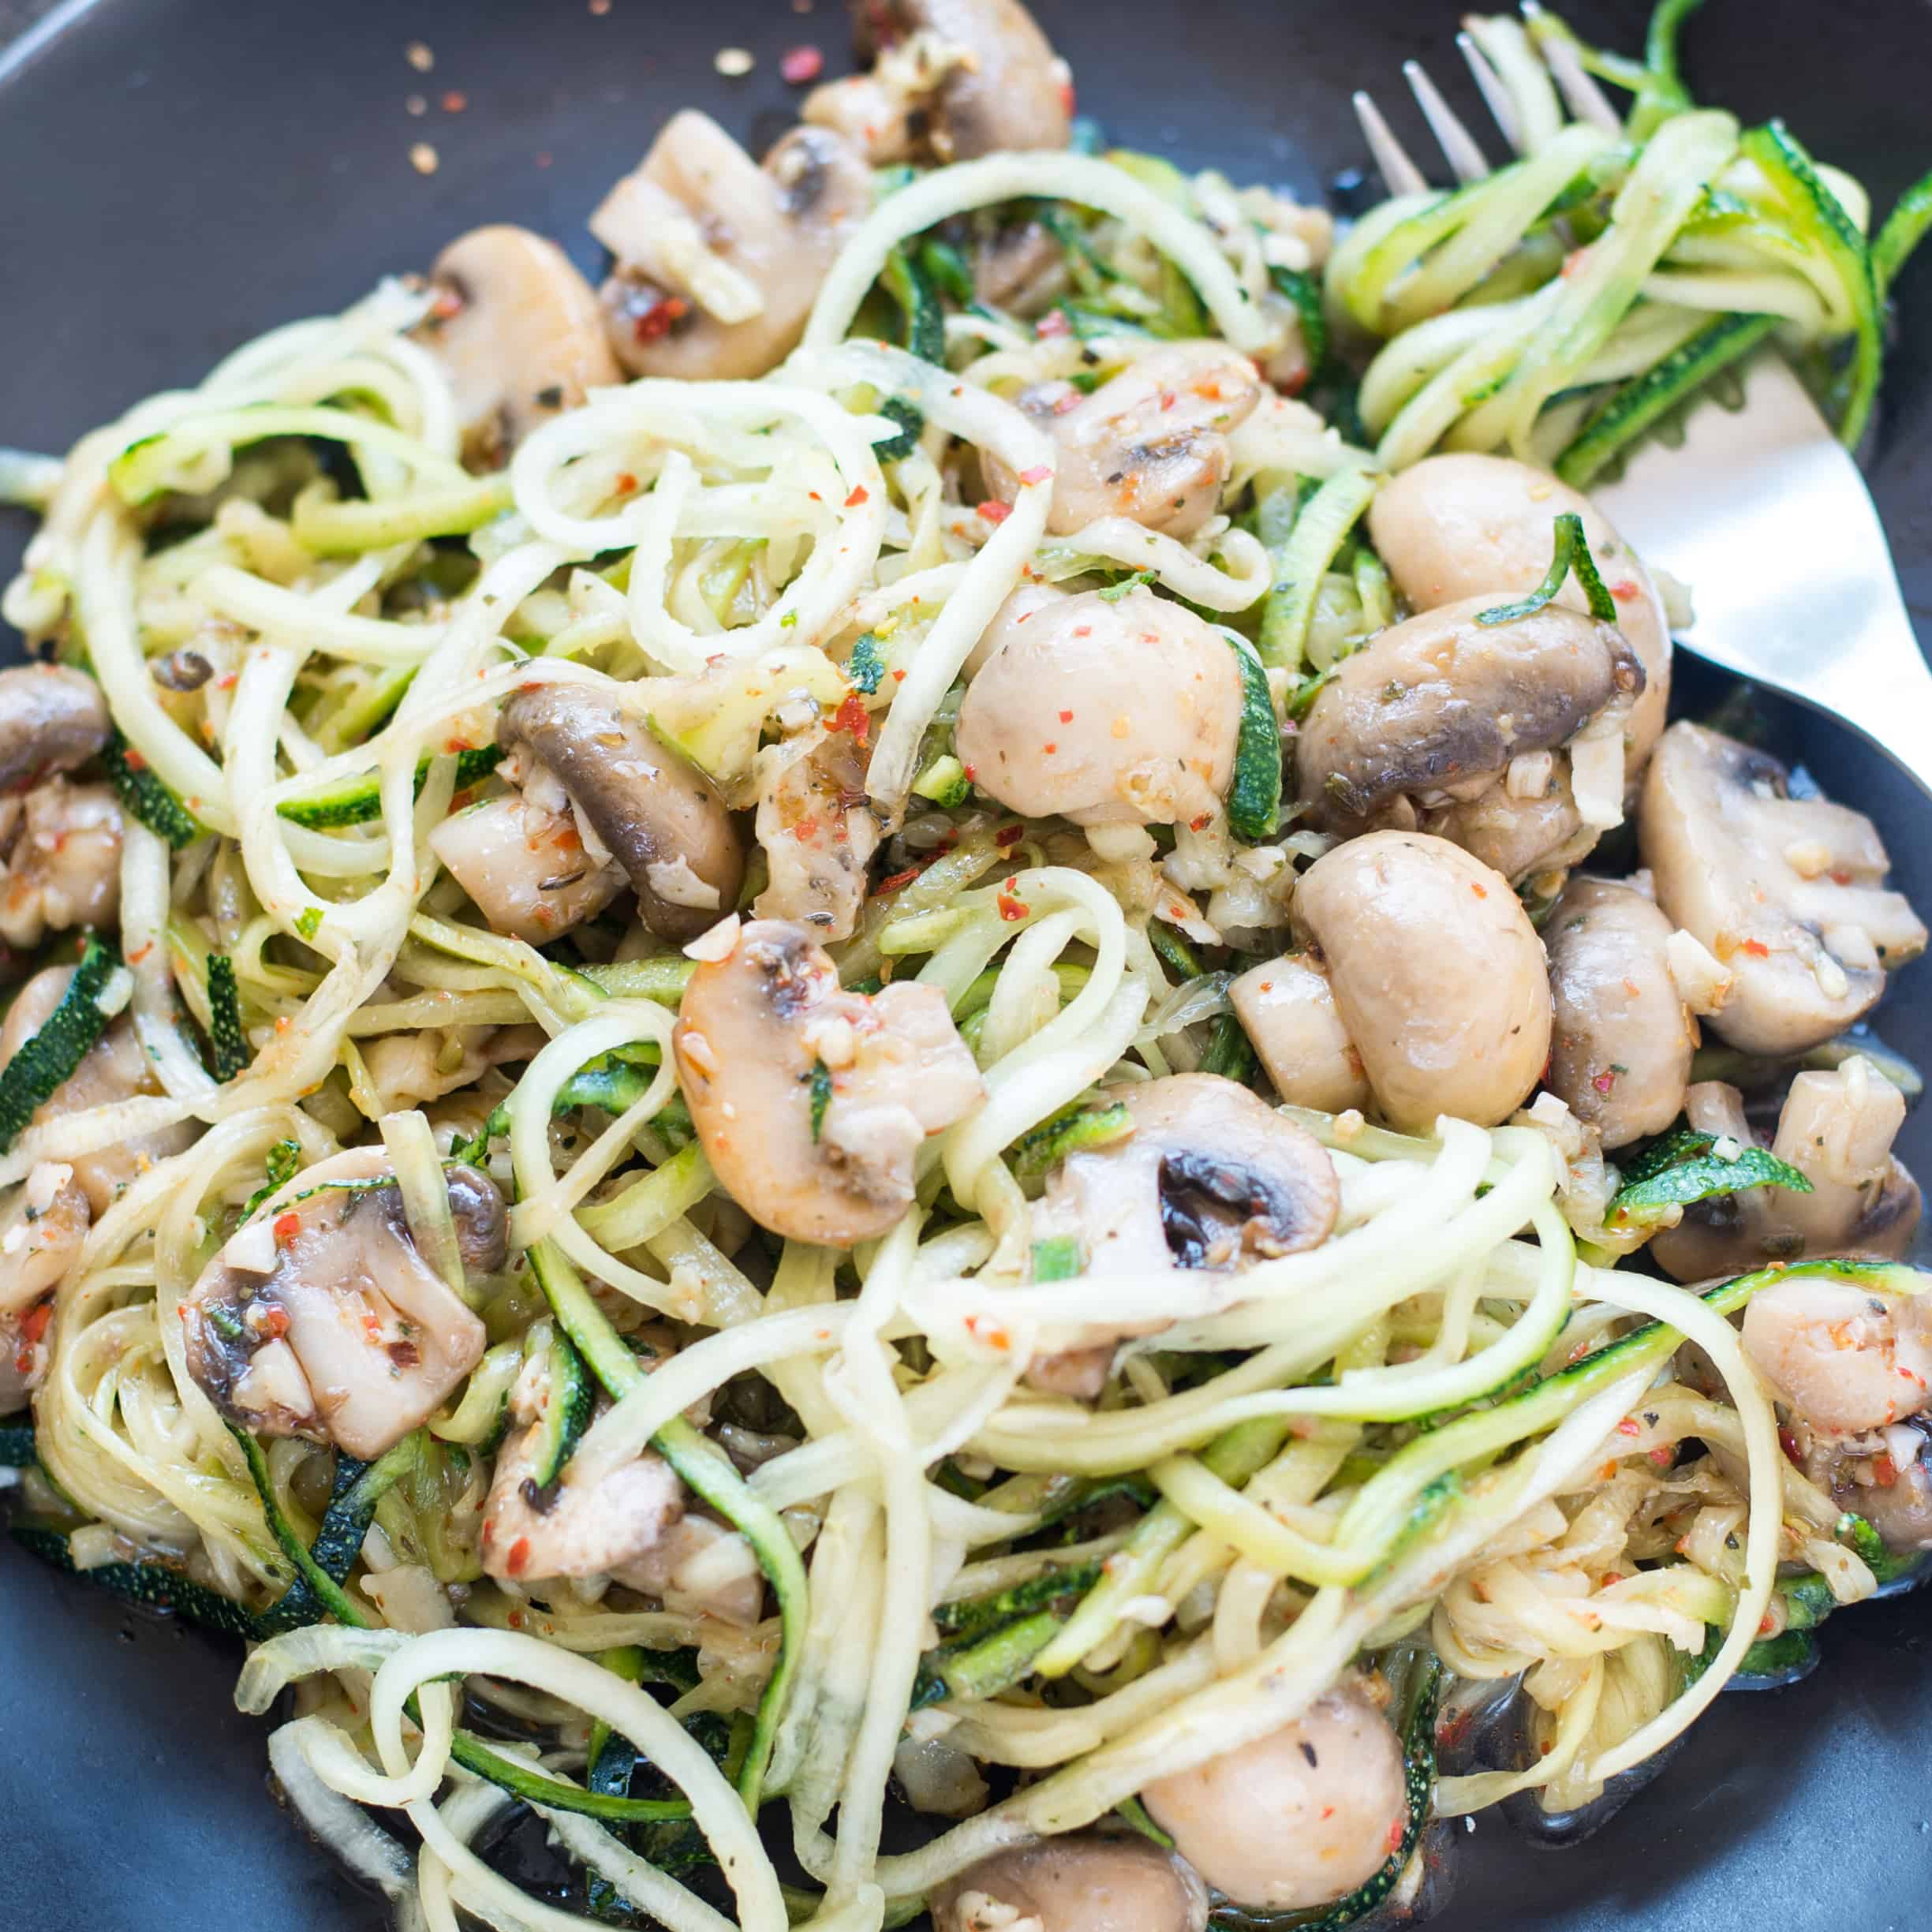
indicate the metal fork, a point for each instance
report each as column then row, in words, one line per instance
column 1761, row 510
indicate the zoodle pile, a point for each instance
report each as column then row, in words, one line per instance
column 810, row 1052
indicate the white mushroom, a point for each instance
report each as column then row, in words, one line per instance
column 1836, row 1128
column 1300, row 1817
column 43, row 1224
column 62, row 868
column 1847, row 1357
column 816, row 830
column 719, row 260
column 1423, row 725
column 1083, row 1882
column 1438, row 977
column 320, row 1319
column 519, row 332
column 1286, row 1008
column 1151, row 445
column 811, row 1101
column 1451, row 527
column 1107, row 710
column 51, row 719
column 951, row 79
column 1622, row 1037
column 1788, row 893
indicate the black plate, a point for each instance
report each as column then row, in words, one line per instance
column 175, row 178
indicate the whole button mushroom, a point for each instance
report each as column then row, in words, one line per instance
column 51, row 719
column 519, row 332
column 811, row 1101
column 1438, row 975
column 1107, row 710
column 1081, row 1882
column 1788, row 893
column 1457, row 526
column 1300, row 1817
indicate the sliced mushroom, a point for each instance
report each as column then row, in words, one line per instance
column 584, row 1524
column 1083, row 1882
column 1019, row 267
column 1846, row 1356
column 1151, row 445
column 51, row 719
column 519, row 332
column 1884, row 1476
column 322, row 1319
column 1211, row 1176
column 1106, row 710
column 816, row 831
column 1438, row 975
column 657, row 816
column 1451, row 527
column 43, row 1224
column 1286, row 1008
column 1788, row 893
column 62, row 842
column 953, row 80
column 1836, row 1128
column 1621, row 1043
column 525, row 866
column 699, row 1568
column 1300, row 1817
column 1428, row 717
column 811, row 1101
column 719, row 260
column 115, row 1068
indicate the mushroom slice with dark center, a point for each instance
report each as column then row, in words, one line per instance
column 1105, row 709
column 952, row 80
column 656, row 816
column 718, row 260
column 51, row 719
column 519, row 332
column 1151, row 445
column 811, row 1101
column 63, row 861
column 1438, row 978
column 1432, row 714
column 1083, row 1882
column 1788, row 893
column 319, row 1318
column 1299, row 1817
column 1836, row 1128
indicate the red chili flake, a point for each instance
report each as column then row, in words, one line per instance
column 1788, row 1441
column 1066, row 717
column 1767, row 1626
column 972, row 771
column 1663, row 1456
column 1070, row 400
column 1477, row 886
column 1756, row 948
column 1009, row 835
column 1603, row 1082
column 1573, row 261
column 805, row 828
column 136, row 761
column 657, row 319
column 518, row 1555
column 857, row 497
column 1625, row 590
column 135, row 958
column 515, row 1620
column 799, row 66
column 1054, row 322
column 1039, row 473
column 1202, row 823
column 627, row 484
column 1884, row 1470
column 1066, row 99
column 1168, row 399
column 1630, row 1426
column 1841, row 877
column 455, row 101
column 287, row 1226
column 34, row 1323
column 897, row 880
column 995, row 512
column 1611, row 1576
column 1050, row 746
column 1011, row 908
column 852, row 716
column 276, row 1322
column 1398, row 1830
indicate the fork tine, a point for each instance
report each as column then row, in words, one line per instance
column 1580, row 91
column 1496, row 96
column 1400, row 175
column 1458, row 144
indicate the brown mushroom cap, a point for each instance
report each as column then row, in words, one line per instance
column 1788, row 893
column 659, row 818
column 1441, row 701
column 811, row 1101
column 1463, row 525
column 1083, row 1882
column 1622, row 1039
column 1438, row 975
column 526, row 339
column 51, row 719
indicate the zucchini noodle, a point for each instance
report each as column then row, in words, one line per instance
column 657, row 1175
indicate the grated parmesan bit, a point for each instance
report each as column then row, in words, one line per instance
column 423, row 158
column 734, row 62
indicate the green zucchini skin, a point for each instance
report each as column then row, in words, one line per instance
column 1072, row 1130
column 232, row 1054
column 153, row 1586
column 50, row 1055
column 356, row 801
column 145, row 797
column 566, row 1415
column 1254, row 794
column 17, row 1444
